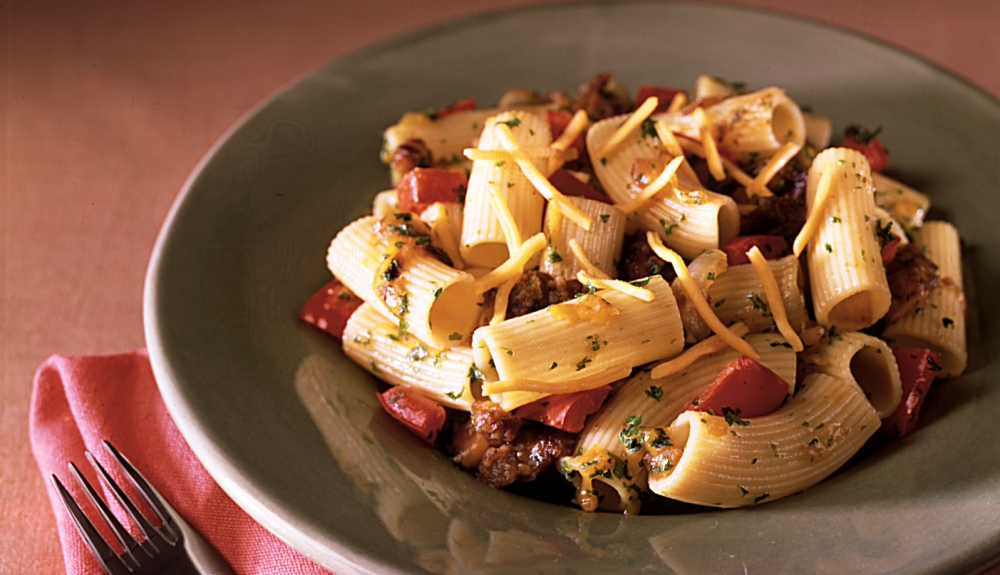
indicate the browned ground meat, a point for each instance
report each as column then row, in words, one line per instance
column 602, row 97
column 412, row 153
column 503, row 450
column 776, row 216
column 639, row 261
column 537, row 290
column 911, row 278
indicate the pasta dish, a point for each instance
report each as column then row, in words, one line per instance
column 683, row 295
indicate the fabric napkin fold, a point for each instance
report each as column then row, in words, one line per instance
column 78, row 401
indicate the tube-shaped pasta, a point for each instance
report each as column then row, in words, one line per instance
column 690, row 220
column 435, row 302
column 770, row 457
column 849, row 287
column 483, row 240
column 658, row 402
column 864, row 359
column 738, row 295
column 590, row 334
column 373, row 341
column 901, row 201
column 938, row 324
column 445, row 137
column 758, row 122
column 602, row 244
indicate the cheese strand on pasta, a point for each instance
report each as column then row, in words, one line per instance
column 692, row 354
column 514, row 265
column 816, row 214
column 640, row 115
column 654, row 187
column 773, row 293
column 696, row 298
column 541, row 183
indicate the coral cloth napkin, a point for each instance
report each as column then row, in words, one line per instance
column 79, row 401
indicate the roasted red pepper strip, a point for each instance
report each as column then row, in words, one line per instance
column 566, row 411
column 889, row 251
column 569, row 185
column 858, row 138
column 917, row 369
column 422, row 415
column 665, row 96
column 330, row 307
column 744, row 388
column 459, row 106
column 421, row 187
column 772, row 247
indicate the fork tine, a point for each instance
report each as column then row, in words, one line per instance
column 124, row 537
column 97, row 545
column 137, row 517
column 148, row 493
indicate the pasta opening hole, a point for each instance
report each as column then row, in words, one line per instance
column 787, row 124
column 607, row 496
column 871, row 369
column 487, row 255
column 453, row 315
column 855, row 312
column 729, row 220
column 679, row 433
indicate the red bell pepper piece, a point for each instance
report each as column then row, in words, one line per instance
column 665, row 96
column 570, row 185
column 772, row 248
column 917, row 369
column 465, row 105
column 420, row 414
column 566, row 411
column 745, row 388
column 330, row 307
column 889, row 251
column 858, row 138
column 421, row 187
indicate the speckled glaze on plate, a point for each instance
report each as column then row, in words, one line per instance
column 291, row 429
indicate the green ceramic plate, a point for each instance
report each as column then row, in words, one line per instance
column 291, row 429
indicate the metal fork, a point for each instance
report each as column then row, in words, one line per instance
column 174, row 547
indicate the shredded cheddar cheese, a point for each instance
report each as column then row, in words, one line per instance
column 654, row 187
column 696, row 298
column 617, row 285
column 711, row 148
column 573, row 130
column 510, row 230
column 541, row 183
column 504, row 155
column 774, row 299
column 704, row 347
column 667, row 139
column 639, row 116
column 502, row 299
column 514, row 266
column 590, row 381
column 816, row 213
column 677, row 102
column 591, row 307
column 758, row 187
column 585, row 262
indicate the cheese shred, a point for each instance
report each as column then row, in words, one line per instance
column 667, row 176
column 711, row 148
column 585, row 262
column 702, row 348
column 696, row 298
column 640, row 115
column 591, row 381
column 758, row 187
column 617, row 285
column 541, row 183
column 514, row 266
column 816, row 213
column 774, row 299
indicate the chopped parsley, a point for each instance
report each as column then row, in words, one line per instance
column 655, row 391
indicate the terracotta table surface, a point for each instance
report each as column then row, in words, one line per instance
column 105, row 108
